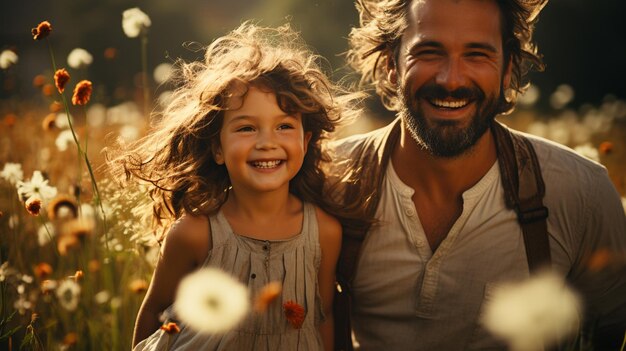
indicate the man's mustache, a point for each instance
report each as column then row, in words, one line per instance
column 436, row 91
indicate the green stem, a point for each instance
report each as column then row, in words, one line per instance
column 144, row 72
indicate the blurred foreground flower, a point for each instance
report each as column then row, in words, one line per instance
column 33, row 206
column 170, row 328
column 82, row 93
column 267, row 295
column 43, row 30
column 7, row 59
column 211, row 301
column 68, row 293
column 134, row 21
column 295, row 313
column 12, row 173
column 36, row 186
column 61, row 77
column 79, row 58
column 534, row 313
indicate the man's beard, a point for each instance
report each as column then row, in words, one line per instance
column 444, row 138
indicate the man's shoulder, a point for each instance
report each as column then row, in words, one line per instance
column 347, row 146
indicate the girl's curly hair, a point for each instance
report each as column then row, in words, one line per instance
column 176, row 158
column 382, row 23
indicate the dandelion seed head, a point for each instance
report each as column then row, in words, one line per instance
column 7, row 59
column 64, row 140
column 96, row 115
column 134, row 22
column 79, row 58
column 528, row 314
column 43, row 237
column 42, row 30
column 62, row 122
column 12, row 173
column 211, row 301
column 562, row 96
column 162, row 72
column 68, row 293
column 102, row 297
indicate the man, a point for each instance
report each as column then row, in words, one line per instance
column 443, row 237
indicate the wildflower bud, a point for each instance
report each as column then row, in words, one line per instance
column 61, row 77
column 39, row 81
column 82, row 93
column 56, row 106
column 43, row 30
column 606, row 148
column 33, row 206
column 110, row 53
column 47, row 90
column 43, row 270
column 170, row 328
column 70, row 339
column 77, row 276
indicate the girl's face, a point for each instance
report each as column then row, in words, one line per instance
column 262, row 147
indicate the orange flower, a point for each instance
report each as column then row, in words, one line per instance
column 138, row 286
column 49, row 122
column 77, row 276
column 295, row 313
column 43, row 30
column 267, row 294
column 61, row 77
column 39, row 81
column 82, row 93
column 70, row 339
column 170, row 328
column 110, row 53
column 43, row 270
column 605, row 147
column 33, row 206
column 48, row 89
column 55, row 106
column 62, row 206
column 599, row 260
column 9, row 119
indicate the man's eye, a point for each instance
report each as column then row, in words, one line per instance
column 477, row 54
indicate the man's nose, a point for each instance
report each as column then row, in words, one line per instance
column 451, row 75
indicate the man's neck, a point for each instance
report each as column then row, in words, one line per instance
column 442, row 177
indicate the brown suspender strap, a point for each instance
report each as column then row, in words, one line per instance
column 524, row 190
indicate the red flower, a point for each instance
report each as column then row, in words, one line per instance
column 43, row 30
column 33, row 206
column 170, row 328
column 61, row 77
column 82, row 93
column 295, row 313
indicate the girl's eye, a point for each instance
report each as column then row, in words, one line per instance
column 285, row 126
column 245, row 129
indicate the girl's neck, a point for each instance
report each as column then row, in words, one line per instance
column 266, row 216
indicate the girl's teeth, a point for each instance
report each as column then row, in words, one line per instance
column 266, row 164
column 449, row 104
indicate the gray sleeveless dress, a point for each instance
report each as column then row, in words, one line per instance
column 294, row 262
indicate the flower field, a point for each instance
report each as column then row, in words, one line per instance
column 76, row 249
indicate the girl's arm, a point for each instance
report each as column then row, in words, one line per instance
column 185, row 247
column 330, row 244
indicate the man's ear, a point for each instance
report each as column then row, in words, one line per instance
column 508, row 72
column 392, row 71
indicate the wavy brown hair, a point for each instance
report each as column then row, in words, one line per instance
column 382, row 23
column 176, row 158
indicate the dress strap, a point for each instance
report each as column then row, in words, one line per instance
column 220, row 229
column 309, row 224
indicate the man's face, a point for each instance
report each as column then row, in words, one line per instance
column 450, row 73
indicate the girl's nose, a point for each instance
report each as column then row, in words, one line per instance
column 265, row 141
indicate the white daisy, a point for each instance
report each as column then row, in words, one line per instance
column 134, row 21
column 7, row 59
column 12, row 172
column 68, row 293
column 211, row 301
column 79, row 58
column 37, row 186
column 536, row 312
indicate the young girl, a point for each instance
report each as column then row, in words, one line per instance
column 235, row 170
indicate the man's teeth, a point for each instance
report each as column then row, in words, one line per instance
column 266, row 164
column 449, row 104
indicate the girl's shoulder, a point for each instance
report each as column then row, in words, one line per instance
column 190, row 234
column 329, row 228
